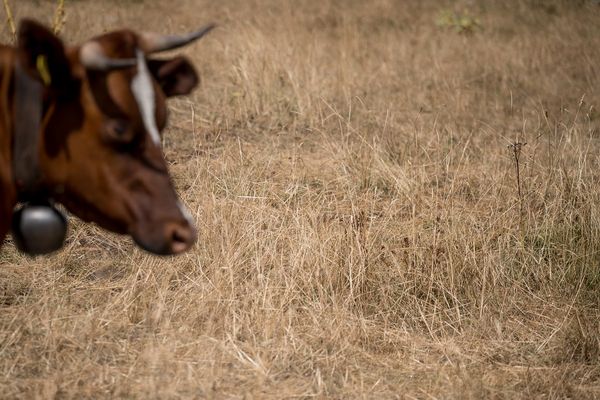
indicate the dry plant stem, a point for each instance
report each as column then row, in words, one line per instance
column 10, row 20
column 59, row 16
column 516, row 152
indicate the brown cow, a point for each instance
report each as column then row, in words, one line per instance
column 99, row 146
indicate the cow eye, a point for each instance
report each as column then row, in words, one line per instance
column 118, row 130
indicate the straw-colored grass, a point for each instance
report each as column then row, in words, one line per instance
column 350, row 168
column 57, row 23
column 10, row 21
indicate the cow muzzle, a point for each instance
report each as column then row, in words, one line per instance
column 166, row 239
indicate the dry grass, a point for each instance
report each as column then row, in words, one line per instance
column 361, row 230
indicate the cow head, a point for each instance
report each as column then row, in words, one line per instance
column 103, row 113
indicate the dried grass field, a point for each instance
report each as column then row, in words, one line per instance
column 372, row 224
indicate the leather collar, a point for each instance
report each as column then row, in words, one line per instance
column 28, row 99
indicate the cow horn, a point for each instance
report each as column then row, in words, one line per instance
column 154, row 43
column 92, row 57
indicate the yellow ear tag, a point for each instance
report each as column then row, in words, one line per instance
column 42, row 67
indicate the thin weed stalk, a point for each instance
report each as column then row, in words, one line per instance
column 10, row 20
column 59, row 17
column 516, row 148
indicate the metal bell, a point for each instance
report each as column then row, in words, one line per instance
column 38, row 228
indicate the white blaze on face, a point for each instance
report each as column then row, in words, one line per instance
column 143, row 91
column 185, row 212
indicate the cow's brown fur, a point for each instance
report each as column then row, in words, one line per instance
column 95, row 155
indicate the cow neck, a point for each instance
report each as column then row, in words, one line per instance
column 27, row 135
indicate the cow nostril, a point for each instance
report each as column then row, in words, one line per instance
column 178, row 237
column 181, row 238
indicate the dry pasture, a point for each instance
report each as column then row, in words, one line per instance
column 366, row 228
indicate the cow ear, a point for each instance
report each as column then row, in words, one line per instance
column 175, row 76
column 43, row 55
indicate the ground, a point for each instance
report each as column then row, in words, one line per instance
column 394, row 200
